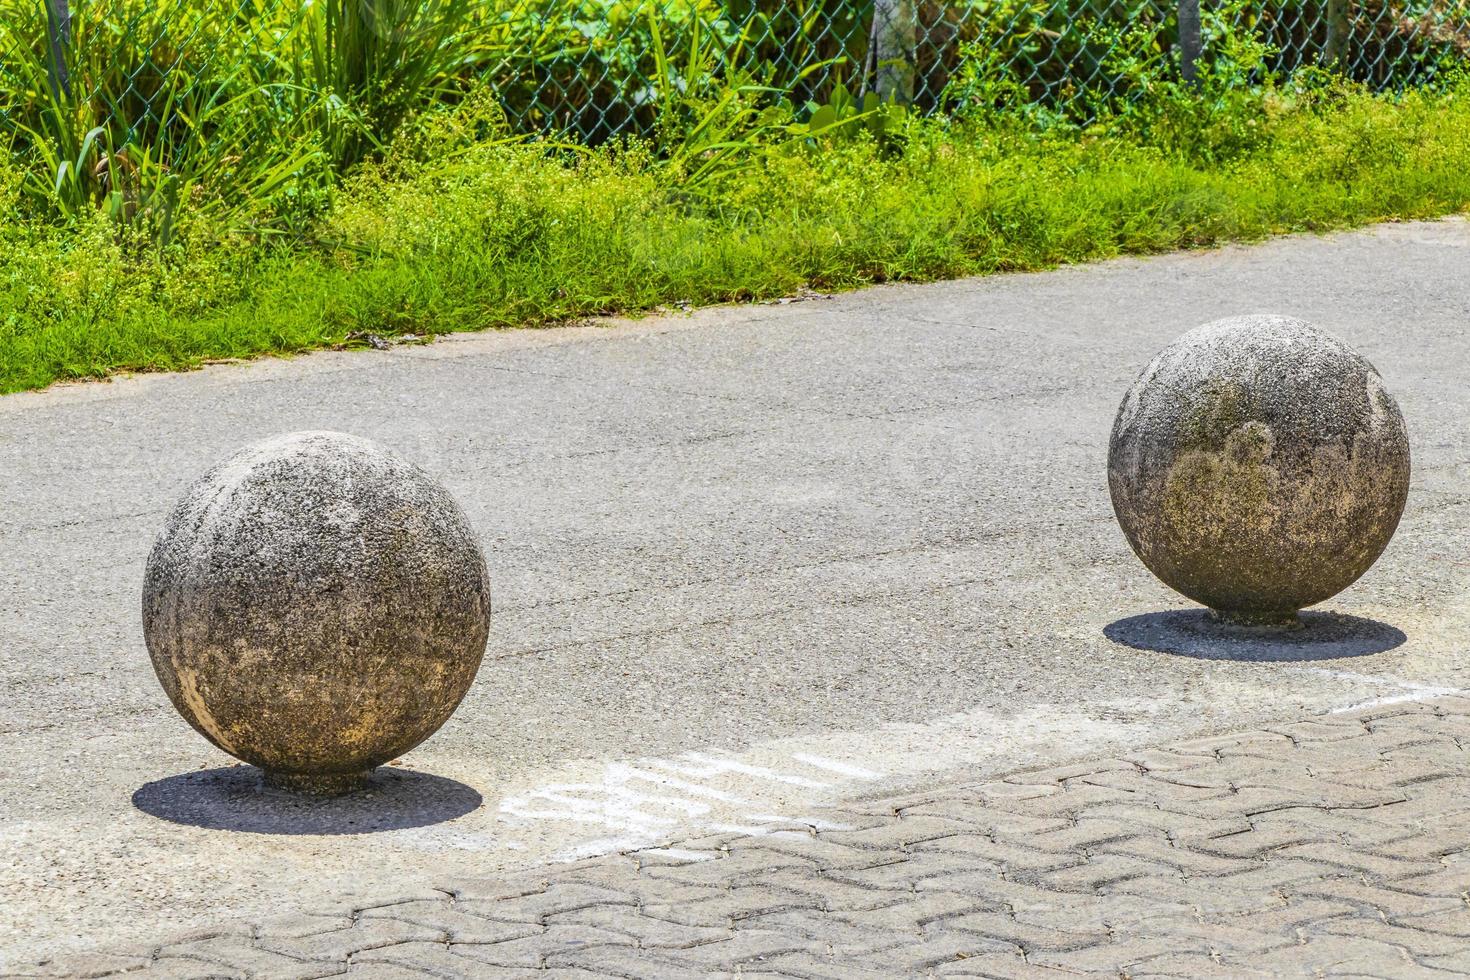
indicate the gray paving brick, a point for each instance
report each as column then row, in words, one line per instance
column 86, row 965
column 535, row 907
column 240, row 954
column 295, row 926
column 912, row 869
column 645, row 930
column 625, row 961
column 1099, row 871
column 1008, row 892
column 1071, row 770
column 1326, row 729
column 1113, row 914
column 1456, row 964
column 459, row 926
column 1191, row 862
column 439, row 959
column 1005, row 928
column 1189, row 966
column 739, row 865
column 1418, row 942
column 777, row 850
column 1113, row 958
column 1085, row 833
column 1258, row 840
column 812, row 966
column 835, row 935
column 1214, row 900
column 833, row 894
column 936, row 949
column 988, row 816
column 1331, row 955
column 492, row 889
column 1293, row 915
column 1450, row 922
column 387, row 971
column 1005, row 855
column 899, row 833
column 750, row 946
column 1163, row 815
column 1077, row 799
column 340, row 944
column 998, row 966
column 531, row 952
column 1334, row 846
column 1365, row 862
column 1220, row 936
column 912, row 916
column 722, row 910
column 1374, row 898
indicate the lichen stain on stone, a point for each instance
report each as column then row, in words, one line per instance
column 1213, row 496
column 1223, row 408
column 196, row 709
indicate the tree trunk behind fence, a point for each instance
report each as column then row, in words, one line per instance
column 1334, row 53
column 891, row 48
column 1189, row 40
column 58, row 31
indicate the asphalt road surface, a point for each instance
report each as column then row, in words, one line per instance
column 747, row 562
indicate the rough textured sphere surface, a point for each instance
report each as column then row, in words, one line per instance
column 316, row 607
column 1259, row 466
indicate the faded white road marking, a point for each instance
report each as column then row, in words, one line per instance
column 596, row 808
column 831, row 765
column 708, row 765
column 1412, row 691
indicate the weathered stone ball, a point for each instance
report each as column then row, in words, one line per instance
column 1258, row 466
column 316, row 607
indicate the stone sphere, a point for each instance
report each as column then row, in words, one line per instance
column 1258, row 466
column 316, row 607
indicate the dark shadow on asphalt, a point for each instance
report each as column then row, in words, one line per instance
column 235, row 798
column 1192, row 633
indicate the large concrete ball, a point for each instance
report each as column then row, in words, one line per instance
column 1259, row 466
column 316, row 607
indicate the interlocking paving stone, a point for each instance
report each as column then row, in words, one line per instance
column 241, row 956
column 1332, row 846
column 460, row 927
column 832, row 895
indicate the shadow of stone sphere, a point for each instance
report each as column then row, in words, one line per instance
column 236, row 798
column 1193, row 633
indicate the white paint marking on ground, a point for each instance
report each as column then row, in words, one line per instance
column 1412, row 691
column 679, row 853
column 630, row 806
column 841, row 768
column 757, row 792
column 708, row 765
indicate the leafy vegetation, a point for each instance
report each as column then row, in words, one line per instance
column 451, row 231
column 350, row 170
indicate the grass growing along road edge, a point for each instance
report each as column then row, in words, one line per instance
column 508, row 234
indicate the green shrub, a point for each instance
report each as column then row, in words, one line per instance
column 460, row 226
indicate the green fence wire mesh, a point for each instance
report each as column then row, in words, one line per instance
column 587, row 67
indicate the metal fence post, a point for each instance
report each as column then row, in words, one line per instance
column 1189, row 40
column 1334, row 52
column 891, row 49
column 58, row 34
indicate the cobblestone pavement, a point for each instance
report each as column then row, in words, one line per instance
column 1335, row 846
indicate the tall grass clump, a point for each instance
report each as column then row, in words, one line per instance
column 458, row 225
column 187, row 183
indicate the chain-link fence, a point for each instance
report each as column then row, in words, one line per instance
column 592, row 68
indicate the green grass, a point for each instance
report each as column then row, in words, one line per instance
column 510, row 234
